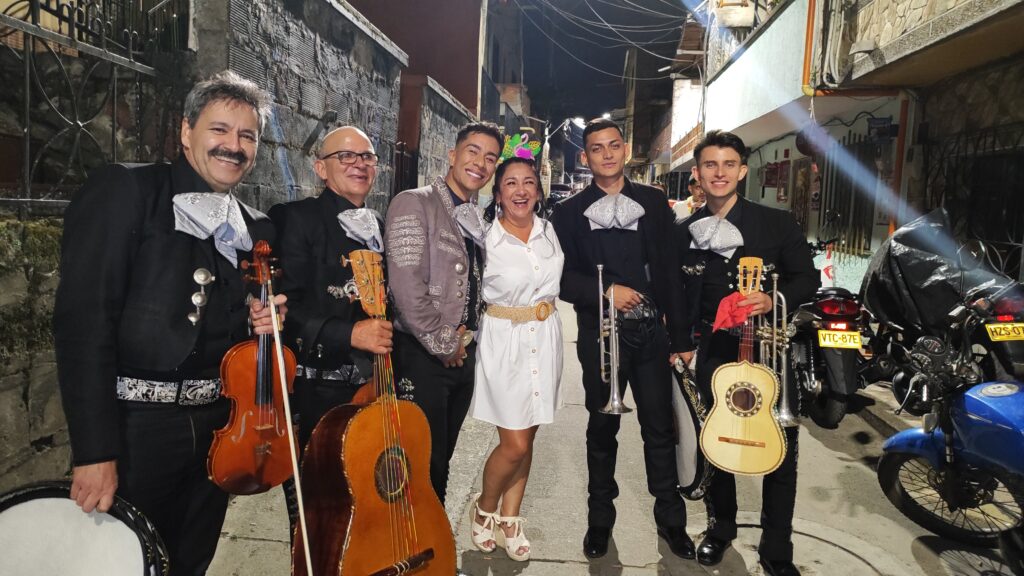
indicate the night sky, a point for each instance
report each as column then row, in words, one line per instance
column 561, row 86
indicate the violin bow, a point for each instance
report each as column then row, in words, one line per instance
column 279, row 352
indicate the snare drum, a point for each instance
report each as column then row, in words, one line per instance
column 44, row 533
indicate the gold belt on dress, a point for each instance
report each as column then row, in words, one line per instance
column 539, row 311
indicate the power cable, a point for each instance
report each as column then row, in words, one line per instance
column 638, row 28
column 617, row 40
column 681, row 29
column 640, row 9
column 576, row 58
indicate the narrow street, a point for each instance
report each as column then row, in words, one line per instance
column 844, row 525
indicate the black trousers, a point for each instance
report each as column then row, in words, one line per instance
column 778, row 489
column 646, row 371
column 442, row 393
column 162, row 472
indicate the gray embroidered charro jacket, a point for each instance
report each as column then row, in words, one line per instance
column 428, row 267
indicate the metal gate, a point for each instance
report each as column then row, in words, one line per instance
column 849, row 186
column 979, row 178
column 80, row 89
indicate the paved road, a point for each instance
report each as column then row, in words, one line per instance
column 844, row 525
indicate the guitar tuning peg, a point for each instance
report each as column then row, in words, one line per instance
column 345, row 260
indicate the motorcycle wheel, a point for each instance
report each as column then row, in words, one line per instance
column 827, row 409
column 912, row 485
column 1011, row 545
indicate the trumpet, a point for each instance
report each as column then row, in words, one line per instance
column 609, row 353
column 775, row 350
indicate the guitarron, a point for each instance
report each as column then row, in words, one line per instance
column 371, row 509
column 742, row 434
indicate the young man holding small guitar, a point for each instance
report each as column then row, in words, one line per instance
column 710, row 242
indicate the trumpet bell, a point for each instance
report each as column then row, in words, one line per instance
column 615, row 407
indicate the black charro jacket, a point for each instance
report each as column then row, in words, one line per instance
column 126, row 291
column 768, row 233
column 320, row 318
column 579, row 276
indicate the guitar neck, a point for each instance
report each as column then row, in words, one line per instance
column 747, row 342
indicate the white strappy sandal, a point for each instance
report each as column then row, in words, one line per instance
column 483, row 534
column 518, row 539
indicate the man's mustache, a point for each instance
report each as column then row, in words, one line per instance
column 237, row 156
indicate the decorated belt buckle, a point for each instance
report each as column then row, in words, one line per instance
column 543, row 310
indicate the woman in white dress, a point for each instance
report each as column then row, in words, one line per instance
column 519, row 350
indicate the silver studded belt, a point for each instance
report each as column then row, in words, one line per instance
column 184, row 393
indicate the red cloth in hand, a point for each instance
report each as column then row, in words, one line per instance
column 730, row 314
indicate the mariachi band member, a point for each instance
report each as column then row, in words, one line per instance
column 435, row 257
column 150, row 299
column 710, row 242
column 330, row 333
column 627, row 228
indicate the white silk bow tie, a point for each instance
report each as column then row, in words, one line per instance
column 363, row 226
column 614, row 211
column 716, row 234
column 217, row 214
column 471, row 222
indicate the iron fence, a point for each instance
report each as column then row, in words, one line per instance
column 979, row 178
column 82, row 89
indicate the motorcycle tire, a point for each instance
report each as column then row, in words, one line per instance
column 827, row 409
column 939, row 519
column 1011, row 545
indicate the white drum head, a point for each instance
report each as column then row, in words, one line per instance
column 688, row 442
column 51, row 536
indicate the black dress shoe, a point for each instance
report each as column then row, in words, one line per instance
column 595, row 543
column 778, row 568
column 711, row 550
column 678, row 541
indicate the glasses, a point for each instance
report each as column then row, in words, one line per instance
column 349, row 157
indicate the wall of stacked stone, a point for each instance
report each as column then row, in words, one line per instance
column 312, row 57
column 982, row 98
column 901, row 27
column 440, row 119
column 33, row 434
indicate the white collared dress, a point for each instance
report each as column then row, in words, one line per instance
column 519, row 365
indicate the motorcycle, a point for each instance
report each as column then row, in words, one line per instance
column 961, row 474
column 914, row 279
column 825, row 350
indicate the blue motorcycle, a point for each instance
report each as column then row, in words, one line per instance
column 961, row 474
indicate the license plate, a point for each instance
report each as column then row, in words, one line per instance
column 838, row 339
column 1007, row 331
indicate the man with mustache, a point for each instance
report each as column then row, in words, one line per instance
column 435, row 257
column 332, row 337
column 149, row 301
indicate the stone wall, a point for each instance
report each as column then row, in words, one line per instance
column 33, row 435
column 983, row 98
column 441, row 116
column 312, row 57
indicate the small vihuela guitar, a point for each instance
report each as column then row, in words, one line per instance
column 742, row 434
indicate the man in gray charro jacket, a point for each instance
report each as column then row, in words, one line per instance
column 434, row 236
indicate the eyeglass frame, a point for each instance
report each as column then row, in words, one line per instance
column 336, row 154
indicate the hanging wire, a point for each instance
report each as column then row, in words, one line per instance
column 639, row 9
column 633, row 28
column 578, row 59
column 617, row 41
column 681, row 28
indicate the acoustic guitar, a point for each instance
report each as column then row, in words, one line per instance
column 371, row 509
column 742, row 434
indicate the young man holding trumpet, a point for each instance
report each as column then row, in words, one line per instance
column 625, row 227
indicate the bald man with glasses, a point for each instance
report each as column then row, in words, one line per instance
column 333, row 339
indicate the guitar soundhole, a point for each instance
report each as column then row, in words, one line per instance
column 391, row 474
column 743, row 399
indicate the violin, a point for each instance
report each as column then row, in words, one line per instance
column 250, row 455
column 256, row 450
